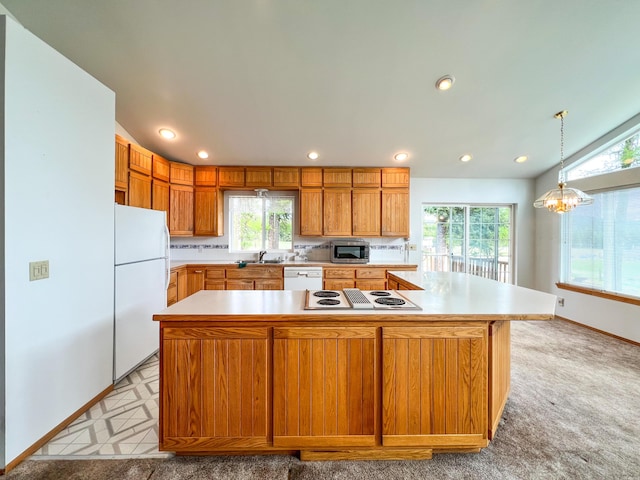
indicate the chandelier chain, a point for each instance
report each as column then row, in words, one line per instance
column 562, row 147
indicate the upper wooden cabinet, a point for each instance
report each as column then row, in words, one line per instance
column 122, row 170
column 366, row 212
column 395, row 213
column 231, row 176
column 160, row 195
column 206, row 176
column 311, row 211
column 140, row 159
column 208, row 212
column 337, row 177
column 160, row 168
column 181, row 173
column 286, row 177
column 180, row 210
column 139, row 190
column 366, row 177
column 395, row 178
column 258, row 177
column 337, row 212
column 310, row 177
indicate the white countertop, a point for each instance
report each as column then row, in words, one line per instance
column 446, row 296
column 180, row 263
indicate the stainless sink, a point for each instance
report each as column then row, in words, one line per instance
column 259, row 262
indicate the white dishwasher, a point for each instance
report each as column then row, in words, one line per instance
column 303, row 278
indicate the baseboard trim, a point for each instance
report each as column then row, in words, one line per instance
column 632, row 342
column 64, row 424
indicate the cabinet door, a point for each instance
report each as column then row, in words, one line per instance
column 366, row 177
column 160, row 168
column 172, row 289
column 160, row 195
column 180, row 174
column 337, row 212
column 286, row 177
column 140, row 159
column 338, row 284
column 206, row 176
column 206, row 211
column 311, row 211
column 195, row 280
column 395, row 178
column 395, row 213
column 310, row 177
column 139, row 190
column 231, row 177
column 324, row 391
column 366, row 212
column 239, row 284
column 337, row 177
column 434, row 386
column 266, row 284
column 258, row 176
column 182, row 283
column 180, row 210
column 122, row 164
column 215, row 389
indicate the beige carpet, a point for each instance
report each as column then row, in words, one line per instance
column 573, row 413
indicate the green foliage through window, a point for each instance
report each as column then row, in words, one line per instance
column 260, row 223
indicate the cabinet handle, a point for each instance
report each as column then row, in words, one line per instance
column 197, row 271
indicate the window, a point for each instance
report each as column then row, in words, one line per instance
column 601, row 243
column 260, row 223
column 472, row 239
column 619, row 156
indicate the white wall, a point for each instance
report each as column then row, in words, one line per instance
column 58, row 174
column 481, row 191
column 607, row 315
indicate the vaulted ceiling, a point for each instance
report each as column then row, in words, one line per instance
column 267, row 81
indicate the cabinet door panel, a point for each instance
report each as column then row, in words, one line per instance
column 206, row 215
column 366, row 212
column 434, row 386
column 337, row 212
column 139, row 190
column 180, row 210
column 310, row 211
column 395, row 213
column 325, row 387
column 122, row 163
column 160, row 195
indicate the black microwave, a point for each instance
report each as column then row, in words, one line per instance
column 349, row 251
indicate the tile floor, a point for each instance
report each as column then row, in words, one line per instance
column 124, row 424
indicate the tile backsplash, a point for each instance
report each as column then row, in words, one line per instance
column 315, row 249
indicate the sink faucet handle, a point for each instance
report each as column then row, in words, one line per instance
column 261, row 255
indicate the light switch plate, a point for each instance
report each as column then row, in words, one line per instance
column 38, row 270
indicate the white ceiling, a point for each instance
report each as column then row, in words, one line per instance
column 266, row 81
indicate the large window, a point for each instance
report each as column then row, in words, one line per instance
column 472, row 239
column 601, row 243
column 260, row 223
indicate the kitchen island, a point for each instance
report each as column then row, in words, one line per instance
column 254, row 372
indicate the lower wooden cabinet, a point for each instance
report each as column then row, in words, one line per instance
column 177, row 289
column 195, row 280
column 434, row 386
column 215, row 389
column 324, row 390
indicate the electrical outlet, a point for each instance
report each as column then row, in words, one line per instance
column 38, row 270
column 413, row 247
column 560, row 301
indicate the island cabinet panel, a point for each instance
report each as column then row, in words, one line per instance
column 215, row 388
column 499, row 371
column 434, row 386
column 324, row 386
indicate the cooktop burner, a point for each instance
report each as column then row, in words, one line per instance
column 380, row 293
column 328, row 301
column 326, row 294
column 390, row 301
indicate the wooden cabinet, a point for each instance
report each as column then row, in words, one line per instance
column 395, row 178
column 214, row 278
column 183, row 284
column 160, row 196
column 337, row 177
column 208, row 211
column 336, row 212
column 231, row 177
column 255, row 277
column 310, row 177
column 371, row 278
column 139, row 190
column 311, row 211
column 205, row 176
column 286, row 177
column 161, row 168
column 180, row 210
column 499, row 371
column 122, row 171
column 140, row 159
column 172, row 289
column 338, row 278
column 395, row 283
column 366, row 177
column 195, row 279
column 434, row 386
column 177, row 289
column 395, row 213
column 214, row 391
column 181, row 174
column 325, row 389
column 366, row 204
column 258, row 177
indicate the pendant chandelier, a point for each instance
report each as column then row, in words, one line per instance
column 562, row 199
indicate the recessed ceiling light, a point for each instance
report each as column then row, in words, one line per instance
column 202, row 154
column 313, row 155
column 401, row 157
column 445, row 83
column 521, row 159
column 166, row 133
column 466, row 157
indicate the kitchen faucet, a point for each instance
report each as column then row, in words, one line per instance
column 261, row 255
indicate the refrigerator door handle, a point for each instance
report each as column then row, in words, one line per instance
column 167, row 265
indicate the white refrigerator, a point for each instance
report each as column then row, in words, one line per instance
column 141, row 281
